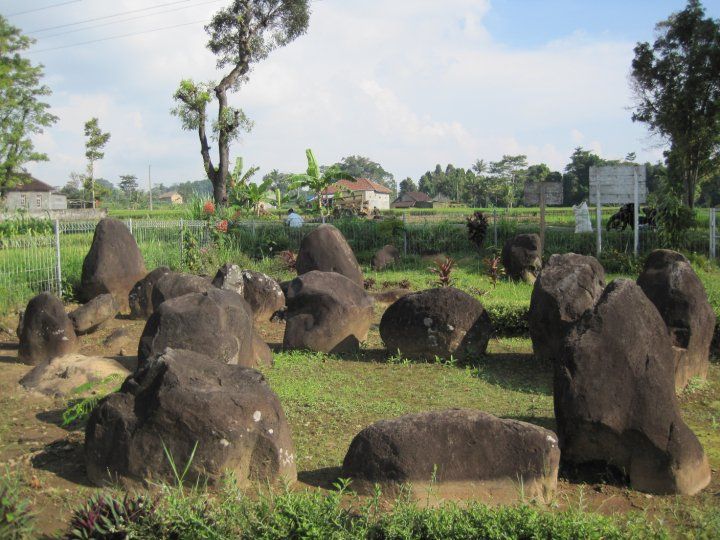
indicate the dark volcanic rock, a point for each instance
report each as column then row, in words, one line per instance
column 468, row 451
column 615, row 397
column 387, row 256
column 566, row 288
column 671, row 284
column 47, row 331
column 326, row 312
column 180, row 401
column 140, row 297
column 522, row 257
column 113, row 265
column 440, row 322
column 261, row 291
column 326, row 249
column 88, row 318
column 175, row 284
column 215, row 323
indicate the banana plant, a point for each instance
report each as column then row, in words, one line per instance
column 237, row 177
column 254, row 195
column 315, row 181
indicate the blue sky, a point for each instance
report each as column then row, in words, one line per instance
column 409, row 83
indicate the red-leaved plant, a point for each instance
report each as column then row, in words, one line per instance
column 494, row 269
column 443, row 270
column 289, row 259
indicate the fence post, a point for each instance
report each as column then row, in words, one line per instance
column 130, row 226
column 182, row 242
column 405, row 238
column 713, row 233
column 58, row 265
column 494, row 227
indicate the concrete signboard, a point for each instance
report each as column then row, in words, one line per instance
column 616, row 184
column 553, row 193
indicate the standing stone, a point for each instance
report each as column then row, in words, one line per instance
column 182, row 402
column 463, row 452
column 326, row 249
column 672, row 285
column 387, row 256
column 113, row 265
column 522, row 257
column 175, row 284
column 566, row 288
column 89, row 317
column 326, row 312
column 615, row 397
column 140, row 297
column 440, row 322
column 260, row 291
column 47, row 332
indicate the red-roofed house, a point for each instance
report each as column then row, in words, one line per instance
column 413, row 199
column 376, row 195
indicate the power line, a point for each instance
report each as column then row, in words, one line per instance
column 118, row 37
column 106, row 16
column 44, row 8
column 129, row 19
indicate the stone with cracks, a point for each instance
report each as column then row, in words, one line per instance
column 458, row 452
column 113, row 265
column 216, row 323
column 566, row 288
column 175, row 284
column 182, row 402
column 259, row 290
column 672, row 285
column 326, row 249
column 615, row 398
column 47, row 331
column 140, row 297
column 89, row 317
column 387, row 256
column 326, row 312
column 440, row 322
column 522, row 257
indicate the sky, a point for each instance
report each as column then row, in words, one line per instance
column 406, row 83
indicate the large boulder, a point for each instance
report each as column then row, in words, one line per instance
column 212, row 417
column 259, row 290
column 615, row 397
column 47, row 331
column 387, row 256
column 522, row 257
column 463, row 452
column 566, row 288
column 326, row 249
column 672, row 285
column 140, row 297
column 175, row 284
column 113, row 265
column 89, row 317
column 440, row 322
column 63, row 375
column 326, row 312
column 216, row 323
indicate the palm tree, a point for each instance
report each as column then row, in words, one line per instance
column 315, row 181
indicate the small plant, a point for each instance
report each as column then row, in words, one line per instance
column 78, row 411
column 289, row 259
column 443, row 270
column 477, row 226
column 369, row 283
column 222, row 226
column 16, row 521
column 209, row 208
column 404, row 284
column 494, row 269
column 105, row 517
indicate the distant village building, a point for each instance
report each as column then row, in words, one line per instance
column 34, row 196
column 412, row 199
column 171, row 197
column 361, row 191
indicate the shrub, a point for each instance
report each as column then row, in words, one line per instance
column 509, row 320
column 477, row 226
column 105, row 517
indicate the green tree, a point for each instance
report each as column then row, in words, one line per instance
column 677, row 87
column 252, row 195
column 509, row 174
column 407, row 185
column 576, row 180
column 240, row 35
column 129, row 185
column 363, row 167
column 316, row 181
column 22, row 110
column 278, row 181
column 94, row 145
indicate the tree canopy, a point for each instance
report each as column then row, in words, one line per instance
column 363, row 167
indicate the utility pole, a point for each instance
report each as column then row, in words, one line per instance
column 150, row 187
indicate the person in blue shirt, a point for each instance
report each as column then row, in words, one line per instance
column 294, row 220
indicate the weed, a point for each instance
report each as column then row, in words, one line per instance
column 78, row 410
column 16, row 521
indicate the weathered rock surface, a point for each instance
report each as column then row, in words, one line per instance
column 117, row 339
column 216, row 323
column 89, row 317
column 60, row 376
column 140, row 297
column 615, row 397
column 440, row 322
column 387, row 256
column 326, row 312
column 259, row 290
column 672, row 285
column 47, row 331
column 113, row 265
column 463, row 452
column 175, row 284
column 326, row 249
column 522, row 257
column 566, row 288
column 182, row 400
column 389, row 296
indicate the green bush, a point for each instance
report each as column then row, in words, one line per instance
column 509, row 320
